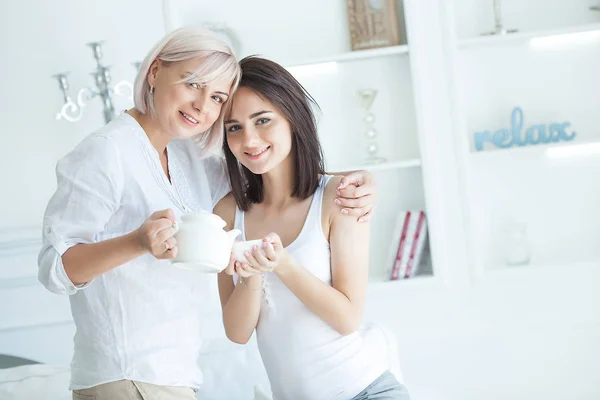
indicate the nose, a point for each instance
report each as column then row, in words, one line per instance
column 250, row 136
column 200, row 102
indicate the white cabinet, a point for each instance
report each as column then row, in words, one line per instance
column 549, row 69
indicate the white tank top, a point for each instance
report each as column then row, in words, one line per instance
column 305, row 358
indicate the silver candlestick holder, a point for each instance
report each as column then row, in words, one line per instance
column 499, row 28
column 72, row 109
column 366, row 97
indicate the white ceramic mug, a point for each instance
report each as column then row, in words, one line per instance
column 242, row 246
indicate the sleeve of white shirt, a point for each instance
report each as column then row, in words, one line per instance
column 218, row 181
column 89, row 185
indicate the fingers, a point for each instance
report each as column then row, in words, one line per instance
column 270, row 251
column 356, row 178
column 170, row 243
column 162, row 241
column 257, row 260
column 230, row 269
column 366, row 217
column 168, row 214
column 362, row 214
column 259, row 255
column 169, row 254
column 244, row 270
column 355, row 202
column 353, row 192
column 165, row 233
column 275, row 241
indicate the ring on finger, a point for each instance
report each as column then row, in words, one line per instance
column 271, row 266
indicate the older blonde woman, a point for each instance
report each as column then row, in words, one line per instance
column 108, row 227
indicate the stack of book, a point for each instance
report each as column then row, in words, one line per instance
column 408, row 244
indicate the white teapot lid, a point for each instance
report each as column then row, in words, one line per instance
column 204, row 217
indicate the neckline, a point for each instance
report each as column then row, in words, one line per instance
column 155, row 155
column 170, row 187
column 304, row 224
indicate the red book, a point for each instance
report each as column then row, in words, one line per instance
column 415, row 244
column 398, row 261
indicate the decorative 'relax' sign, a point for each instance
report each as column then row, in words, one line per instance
column 517, row 135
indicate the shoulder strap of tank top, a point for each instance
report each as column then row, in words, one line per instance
column 238, row 222
column 315, row 213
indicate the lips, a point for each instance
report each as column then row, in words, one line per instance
column 256, row 153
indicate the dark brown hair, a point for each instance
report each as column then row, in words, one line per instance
column 273, row 82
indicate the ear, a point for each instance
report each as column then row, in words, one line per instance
column 153, row 71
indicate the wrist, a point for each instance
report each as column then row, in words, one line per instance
column 285, row 263
column 135, row 244
column 253, row 282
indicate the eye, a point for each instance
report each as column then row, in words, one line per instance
column 218, row 99
column 194, row 85
column 262, row 121
column 234, row 128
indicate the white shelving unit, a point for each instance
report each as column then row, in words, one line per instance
column 353, row 56
column 549, row 69
column 562, row 34
column 388, row 165
column 412, row 115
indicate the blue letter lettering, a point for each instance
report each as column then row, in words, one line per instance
column 502, row 139
column 517, row 125
column 480, row 139
column 563, row 132
column 541, row 136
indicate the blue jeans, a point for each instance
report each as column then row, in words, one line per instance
column 386, row 387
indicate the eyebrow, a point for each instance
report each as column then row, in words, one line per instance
column 188, row 73
column 256, row 114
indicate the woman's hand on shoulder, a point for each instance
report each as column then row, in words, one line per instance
column 357, row 195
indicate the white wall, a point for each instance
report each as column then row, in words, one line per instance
column 42, row 38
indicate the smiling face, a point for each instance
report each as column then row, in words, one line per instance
column 257, row 133
column 185, row 109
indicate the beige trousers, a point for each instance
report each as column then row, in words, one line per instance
column 132, row 390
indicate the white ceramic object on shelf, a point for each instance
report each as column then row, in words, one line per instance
column 202, row 243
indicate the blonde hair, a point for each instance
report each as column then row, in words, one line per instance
column 181, row 45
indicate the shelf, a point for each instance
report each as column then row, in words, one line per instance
column 523, row 37
column 353, row 55
column 413, row 163
column 566, row 274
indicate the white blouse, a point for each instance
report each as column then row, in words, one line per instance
column 139, row 321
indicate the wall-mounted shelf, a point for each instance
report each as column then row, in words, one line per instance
column 520, row 38
column 537, row 270
column 352, row 56
column 399, row 164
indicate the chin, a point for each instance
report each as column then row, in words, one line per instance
column 256, row 170
column 187, row 133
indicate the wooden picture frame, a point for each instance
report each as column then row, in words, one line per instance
column 373, row 24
